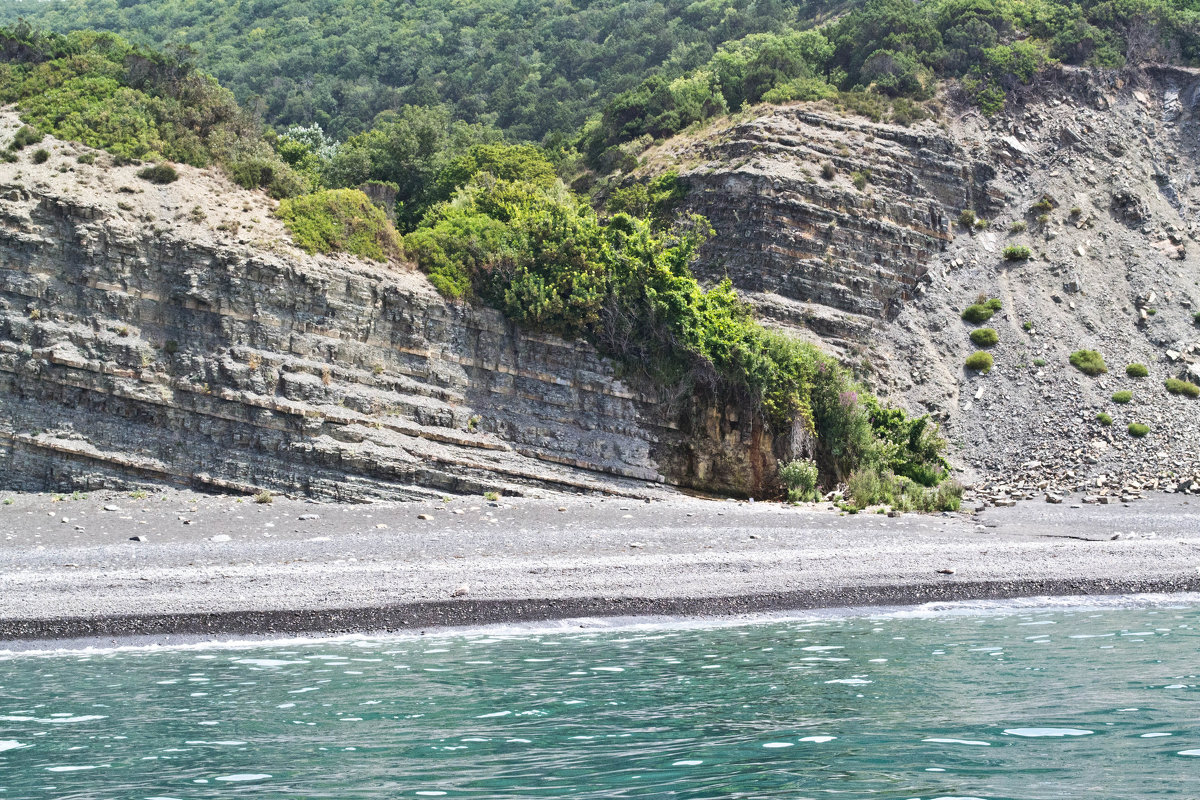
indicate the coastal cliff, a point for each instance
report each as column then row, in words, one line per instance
column 172, row 333
column 853, row 233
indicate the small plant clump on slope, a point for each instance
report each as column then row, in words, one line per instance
column 1123, row 397
column 1016, row 252
column 1136, row 370
column 1186, row 388
column 984, row 337
column 340, row 220
column 1089, row 362
column 1138, row 430
column 980, row 362
column 159, row 173
column 1104, row 419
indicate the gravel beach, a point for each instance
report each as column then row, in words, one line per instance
column 179, row 564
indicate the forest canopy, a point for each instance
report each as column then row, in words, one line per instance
column 535, row 67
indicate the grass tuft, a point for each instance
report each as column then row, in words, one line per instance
column 1186, row 388
column 984, row 337
column 1089, row 362
column 980, row 362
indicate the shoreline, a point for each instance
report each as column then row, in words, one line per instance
column 214, row 566
column 453, row 614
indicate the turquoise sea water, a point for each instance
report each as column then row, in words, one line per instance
column 1090, row 702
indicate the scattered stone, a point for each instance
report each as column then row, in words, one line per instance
column 425, row 516
column 461, row 591
column 1053, row 498
column 947, row 571
column 111, row 507
column 307, row 517
column 138, row 539
column 220, row 537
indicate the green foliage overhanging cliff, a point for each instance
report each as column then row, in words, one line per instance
column 489, row 222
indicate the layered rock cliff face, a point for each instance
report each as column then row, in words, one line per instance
column 881, row 270
column 825, row 212
column 172, row 334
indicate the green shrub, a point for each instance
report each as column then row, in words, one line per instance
column 1016, row 252
column 994, row 304
column 1039, row 362
column 1123, row 397
column 340, row 220
column 980, row 362
column 1187, row 388
column 828, row 170
column 41, row 155
column 159, row 173
column 1196, row 318
column 86, row 158
column 985, row 337
column 1027, row 326
column 25, row 137
column 1104, row 419
column 800, row 480
column 542, row 256
column 1017, row 227
column 860, row 179
column 977, row 313
column 1089, row 362
column 1136, row 370
column 1043, row 206
column 102, row 91
column 967, row 218
column 870, row 486
column 1138, row 430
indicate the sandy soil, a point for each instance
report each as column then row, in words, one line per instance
column 219, row 565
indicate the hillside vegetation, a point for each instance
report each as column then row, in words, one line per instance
column 533, row 67
column 98, row 89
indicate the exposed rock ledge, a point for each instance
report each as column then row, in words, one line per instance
column 173, row 334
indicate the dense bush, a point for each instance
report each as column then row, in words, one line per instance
column 1123, row 397
column 24, row 137
column 977, row 313
column 340, row 220
column 102, row 91
column 1104, row 419
column 159, row 173
column 1136, row 370
column 984, row 337
column 1186, row 388
column 871, row 486
column 40, row 156
column 1089, row 362
column 980, row 362
column 1016, row 252
column 1137, row 429
column 542, row 256
column 800, row 480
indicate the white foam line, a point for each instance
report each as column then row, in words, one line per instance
column 586, row 626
